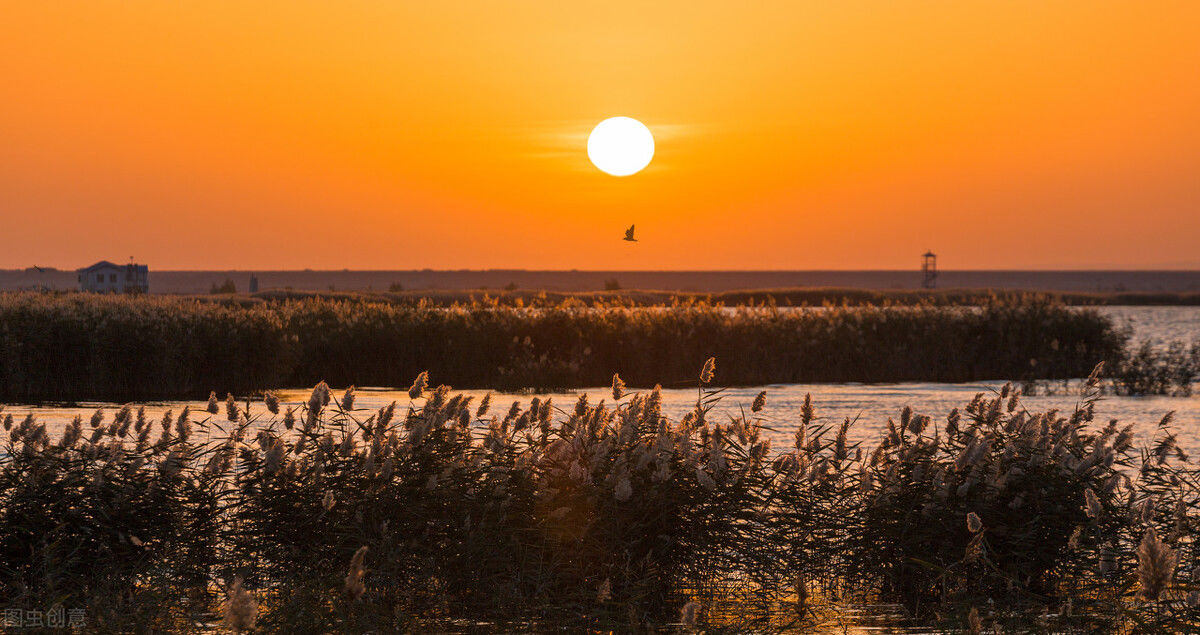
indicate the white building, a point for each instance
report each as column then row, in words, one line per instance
column 107, row 277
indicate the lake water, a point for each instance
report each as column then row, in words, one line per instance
column 1158, row 323
column 869, row 404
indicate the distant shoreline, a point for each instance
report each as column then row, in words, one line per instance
column 797, row 297
column 794, row 297
column 1072, row 281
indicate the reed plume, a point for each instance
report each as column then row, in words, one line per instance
column 240, row 609
column 1156, row 566
column 760, row 401
column 618, row 387
column 974, row 524
column 418, row 386
column 688, row 615
column 353, row 589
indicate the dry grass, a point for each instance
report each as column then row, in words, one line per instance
column 439, row 513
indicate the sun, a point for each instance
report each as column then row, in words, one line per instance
column 620, row 146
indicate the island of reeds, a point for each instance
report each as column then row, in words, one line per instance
column 92, row 347
column 441, row 513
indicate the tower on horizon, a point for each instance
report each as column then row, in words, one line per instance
column 929, row 270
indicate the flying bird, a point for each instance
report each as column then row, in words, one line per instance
column 629, row 235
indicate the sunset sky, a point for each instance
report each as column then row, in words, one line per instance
column 451, row 135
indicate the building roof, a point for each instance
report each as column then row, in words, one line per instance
column 104, row 264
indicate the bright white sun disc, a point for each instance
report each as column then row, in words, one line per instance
column 620, row 146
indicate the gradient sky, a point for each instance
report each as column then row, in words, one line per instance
column 791, row 135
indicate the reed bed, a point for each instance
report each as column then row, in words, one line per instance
column 1143, row 368
column 1151, row 368
column 77, row 346
column 442, row 513
column 787, row 297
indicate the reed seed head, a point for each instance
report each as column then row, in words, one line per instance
column 1156, row 566
column 974, row 624
column 241, row 609
column 354, row 587
column 974, row 524
column 618, row 387
column 688, row 614
column 318, row 399
column 604, row 591
column 759, row 402
column 419, row 385
column 183, row 426
column 1092, row 503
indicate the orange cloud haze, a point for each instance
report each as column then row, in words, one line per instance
column 791, row 135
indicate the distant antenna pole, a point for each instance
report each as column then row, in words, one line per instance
column 929, row 270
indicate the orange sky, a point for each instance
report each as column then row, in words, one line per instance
column 792, row 135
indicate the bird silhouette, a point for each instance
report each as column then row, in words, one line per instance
column 629, row 235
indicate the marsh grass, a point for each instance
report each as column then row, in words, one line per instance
column 1143, row 368
column 784, row 297
column 82, row 346
column 441, row 513
column 1149, row 368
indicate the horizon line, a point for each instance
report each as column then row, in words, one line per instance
column 1158, row 269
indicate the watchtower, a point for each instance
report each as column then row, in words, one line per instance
column 929, row 270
